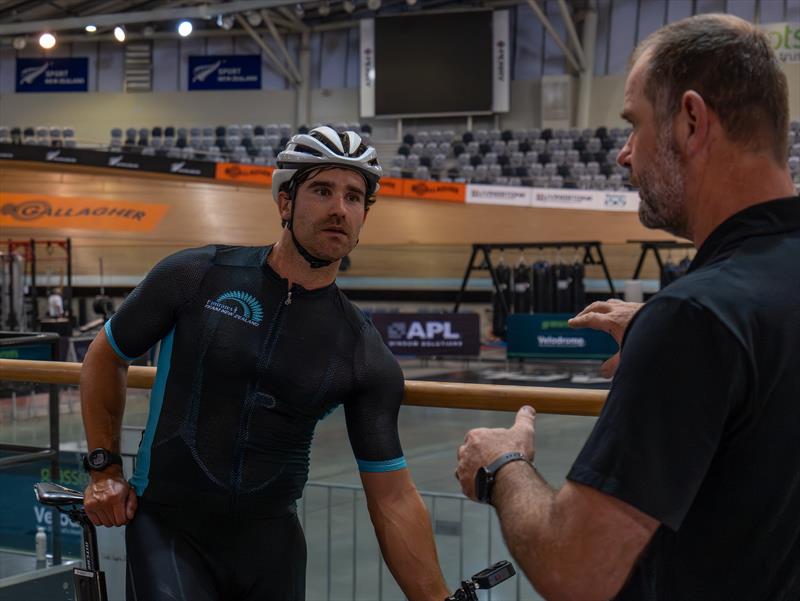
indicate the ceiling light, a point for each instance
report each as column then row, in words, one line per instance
column 47, row 41
column 19, row 43
column 253, row 17
column 227, row 22
column 148, row 31
column 90, row 28
column 119, row 33
column 411, row 2
column 373, row 4
column 299, row 10
column 349, row 6
column 324, row 8
column 185, row 29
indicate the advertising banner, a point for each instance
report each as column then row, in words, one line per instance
column 249, row 174
column 128, row 161
column 52, row 74
column 20, row 514
column 785, row 38
column 225, row 72
column 431, row 190
column 55, row 212
column 501, row 62
column 430, row 334
column 367, row 67
column 391, row 186
column 548, row 336
column 515, row 196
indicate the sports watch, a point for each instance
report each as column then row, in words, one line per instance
column 486, row 475
column 100, row 459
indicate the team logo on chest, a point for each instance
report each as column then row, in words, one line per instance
column 238, row 305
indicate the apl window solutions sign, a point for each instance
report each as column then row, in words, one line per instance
column 225, row 72
column 430, row 334
column 52, row 74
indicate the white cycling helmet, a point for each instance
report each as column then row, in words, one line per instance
column 325, row 146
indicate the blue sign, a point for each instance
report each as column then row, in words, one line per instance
column 52, row 74
column 548, row 336
column 20, row 514
column 225, row 72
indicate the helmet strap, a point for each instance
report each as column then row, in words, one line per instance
column 314, row 262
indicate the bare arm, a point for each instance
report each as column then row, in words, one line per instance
column 404, row 533
column 108, row 499
column 572, row 543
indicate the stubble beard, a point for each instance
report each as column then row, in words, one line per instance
column 663, row 203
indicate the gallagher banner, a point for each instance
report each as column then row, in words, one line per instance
column 430, row 334
column 52, row 74
column 225, row 72
column 56, row 212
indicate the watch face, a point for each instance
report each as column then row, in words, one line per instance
column 98, row 458
column 482, row 485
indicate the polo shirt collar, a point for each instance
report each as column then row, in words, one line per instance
column 766, row 218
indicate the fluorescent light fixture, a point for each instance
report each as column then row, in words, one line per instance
column 185, row 29
column 47, row 41
column 90, row 28
column 349, row 6
column 119, row 33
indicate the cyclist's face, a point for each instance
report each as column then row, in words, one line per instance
column 329, row 212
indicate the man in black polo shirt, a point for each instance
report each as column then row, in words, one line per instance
column 689, row 485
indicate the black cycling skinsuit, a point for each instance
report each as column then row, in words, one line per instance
column 246, row 369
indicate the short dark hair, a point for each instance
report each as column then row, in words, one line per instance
column 732, row 65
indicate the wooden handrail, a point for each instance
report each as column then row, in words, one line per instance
column 565, row 401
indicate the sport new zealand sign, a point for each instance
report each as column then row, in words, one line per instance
column 225, row 72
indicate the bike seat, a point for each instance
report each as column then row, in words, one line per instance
column 48, row 493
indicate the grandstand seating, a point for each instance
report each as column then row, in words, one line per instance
column 574, row 158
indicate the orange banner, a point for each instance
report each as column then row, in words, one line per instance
column 57, row 212
column 391, row 187
column 431, row 190
column 251, row 174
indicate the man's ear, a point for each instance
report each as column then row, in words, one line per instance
column 693, row 124
column 285, row 205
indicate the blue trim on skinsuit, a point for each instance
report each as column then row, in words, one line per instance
column 140, row 478
column 113, row 343
column 390, row 465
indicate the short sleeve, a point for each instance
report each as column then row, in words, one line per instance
column 372, row 412
column 681, row 376
column 150, row 311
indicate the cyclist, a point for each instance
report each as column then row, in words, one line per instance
column 257, row 345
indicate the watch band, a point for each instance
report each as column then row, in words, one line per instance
column 486, row 475
column 505, row 458
column 99, row 459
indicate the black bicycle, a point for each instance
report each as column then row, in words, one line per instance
column 491, row 576
column 90, row 582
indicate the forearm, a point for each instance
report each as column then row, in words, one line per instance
column 403, row 529
column 102, row 386
column 526, row 507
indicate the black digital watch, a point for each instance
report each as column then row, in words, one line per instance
column 486, row 475
column 100, row 459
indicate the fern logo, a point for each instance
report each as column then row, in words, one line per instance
column 239, row 305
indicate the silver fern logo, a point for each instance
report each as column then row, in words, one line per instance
column 239, row 305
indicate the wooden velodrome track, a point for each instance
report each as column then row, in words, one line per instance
column 402, row 238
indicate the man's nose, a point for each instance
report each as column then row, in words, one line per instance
column 624, row 156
